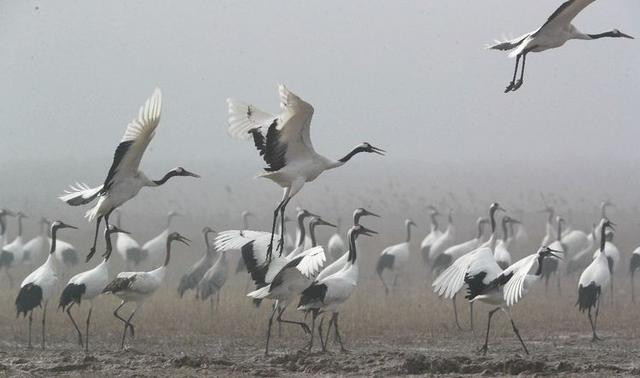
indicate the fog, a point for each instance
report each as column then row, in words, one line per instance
column 412, row 77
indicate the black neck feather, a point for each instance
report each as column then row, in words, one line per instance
column 351, row 154
column 166, row 178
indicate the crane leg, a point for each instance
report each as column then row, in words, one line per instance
column 123, row 320
column 558, row 283
column 75, row 325
column 314, row 315
column 304, row 326
column 455, row 311
column 485, row 347
column 611, row 285
column 595, row 322
column 335, row 327
column 86, row 332
column 44, row 322
column 95, row 236
column 30, row 324
column 633, row 291
column 521, row 80
column 131, row 330
column 386, row 288
column 273, row 313
column 10, row 277
column 323, row 342
column 471, row 314
column 517, row 332
column 395, row 282
column 276, row 212
column 281, row 241
column 515, row 73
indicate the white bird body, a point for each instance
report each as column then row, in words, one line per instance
column 125, row 245
column 284, row 141
column 502, row 254
column 575, row 241
column 16, row 248
column 65, row 253
column 45, row 276
column 143, row 284
column 214, row 278
column 612, row 254
column 582, row 258
column 36, row 248
column 154, row 247
column 555, row 32
column 95, row 280
column 597, row 272
column 445, row 240
column 336, row 246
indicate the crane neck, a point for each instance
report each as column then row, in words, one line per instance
column 301, row 230
column 164, row 179
column 168, row 255
column 312, row 234
column 492, row 218
column 538, row 271
column 19, row 225
column 54, row 237
column 559, row 236
column 3, row 225
column 609, row 34
column 207, row 243
column 109, row 246
column 351, row 236
column 603, row 240
column 348, row 156
column 550, row 217
column 480, row 230
column 434, row 222
column 169, row 218
column 505, row 229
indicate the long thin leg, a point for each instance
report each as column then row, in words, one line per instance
column 10, row 277
column 30, row 324
column 386, row 288
column 131, row 331
column 75, row 325
column 314, row 315
column 595, row 322
column 515, row 330
column 304, row 326
column 323, row 343
column 335, row 327
column 593, row 327
column 611, row 283
column 558, row 283
column 273, row 313
column 485, row 347
column 395, row 282
column 521, row 80
column 282, row 225
column 86, row 332
column 273, row 229
column 123, row 320
column 44, row 321
column 515, row 73
column 633, row 291
column 95, row 236
column 455, row 311
column 326, row 339
column 471, row 314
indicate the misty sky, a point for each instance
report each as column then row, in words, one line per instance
column 412, row 77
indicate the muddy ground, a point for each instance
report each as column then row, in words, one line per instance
column 456, row 355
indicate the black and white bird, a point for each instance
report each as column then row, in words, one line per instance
column 128, row 248
column 190, row 280
column 124, row 179
column 581, row 259
column 336, row 245
column 292, row 279
column 329, row 292
column 241, row 267
column 446, row 240
column 550, row 233
column 395, row 257
column 88, row 285
column 284, row 141
column 12, row 253
column 3, row 226
column 432, row 236
column 488, row 283
column 213, row 280
column 594, row 278
column 38, row 287
column 555, row 32
column 37, row 247
column 139, row 286
column 340, row 263
column 444, row 260
column 612, row 253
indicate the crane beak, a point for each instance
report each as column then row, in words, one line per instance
column 89, row 256
column 183, row 240
column 515, row 221
column 192, row 174
column 368, row 232
column 64, row 225
column 323, row 222
column 378, row 151
column 367, row 212
column 626, row 36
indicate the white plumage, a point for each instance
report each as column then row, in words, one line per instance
column 139, row 286
column 432, row 236
column 124, row 179
column 284, row 141
column 445, row 240
column 395, row 257
column 38, row 287
column 555, row 32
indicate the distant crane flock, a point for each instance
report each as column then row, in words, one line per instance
column 317, row 283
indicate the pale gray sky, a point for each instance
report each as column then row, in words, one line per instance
column 412, row 77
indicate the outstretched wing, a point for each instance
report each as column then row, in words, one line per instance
column 561, row 18
column 275, row 137
column 80, row 194
column 312, row 261
column 236, row 239
column 137, row 137
column 509, row 44
column 514, row 288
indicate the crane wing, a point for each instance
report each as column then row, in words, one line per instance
column 562, row 17
column 80, row 194
column 451, row 280
column 312, row 261
column 236, row 239
column 514, row 288
column 137, row 137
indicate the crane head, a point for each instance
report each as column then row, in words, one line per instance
column 176, row 236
